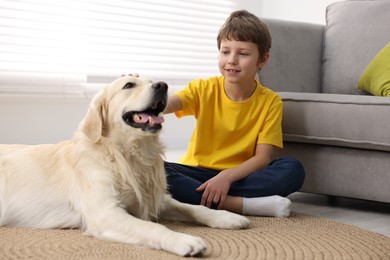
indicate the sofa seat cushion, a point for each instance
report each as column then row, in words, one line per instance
column 357, row 121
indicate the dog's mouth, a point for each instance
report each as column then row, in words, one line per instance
column 150, row 119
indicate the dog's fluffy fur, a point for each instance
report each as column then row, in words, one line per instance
column 109, row 179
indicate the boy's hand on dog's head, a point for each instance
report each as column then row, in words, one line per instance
column 131, row 74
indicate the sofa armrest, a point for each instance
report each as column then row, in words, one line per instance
column 295, row 63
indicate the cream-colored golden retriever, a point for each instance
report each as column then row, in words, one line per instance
column 109, row 179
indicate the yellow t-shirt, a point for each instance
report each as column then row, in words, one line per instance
column 227, row 132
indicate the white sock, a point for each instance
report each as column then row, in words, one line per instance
column 271, row 206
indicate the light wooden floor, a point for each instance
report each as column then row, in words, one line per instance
column 374, row 216
column 370, row 215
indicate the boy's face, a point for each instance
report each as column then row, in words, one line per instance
column 239, row 61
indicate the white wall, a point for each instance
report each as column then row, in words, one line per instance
column 35, row 120
column 312, row 11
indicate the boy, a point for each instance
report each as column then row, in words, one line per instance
column 229, row 161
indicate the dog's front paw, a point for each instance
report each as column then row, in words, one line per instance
column 184, row 245
column 229, row 220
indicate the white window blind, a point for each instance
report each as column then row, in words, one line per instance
column 73, row 47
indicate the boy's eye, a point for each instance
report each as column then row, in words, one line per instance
column 244, row 53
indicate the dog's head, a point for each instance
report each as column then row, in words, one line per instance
column 127, row 104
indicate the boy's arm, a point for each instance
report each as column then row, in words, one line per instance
column 174, row 104
column 262, row 157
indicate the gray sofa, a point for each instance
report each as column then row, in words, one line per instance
column 341, row 134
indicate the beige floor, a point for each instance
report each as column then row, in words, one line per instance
column 370, row 215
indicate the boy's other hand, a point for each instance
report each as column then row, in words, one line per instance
column 215, row 190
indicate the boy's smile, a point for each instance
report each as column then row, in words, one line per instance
column 232, row 71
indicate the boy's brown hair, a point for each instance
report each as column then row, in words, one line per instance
column 243, row 26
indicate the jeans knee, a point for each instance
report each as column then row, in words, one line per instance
column 297, row 171
column 294, row 175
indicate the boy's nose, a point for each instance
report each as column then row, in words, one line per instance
column 232, row 59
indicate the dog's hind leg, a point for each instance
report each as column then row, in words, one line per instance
column 178, row 211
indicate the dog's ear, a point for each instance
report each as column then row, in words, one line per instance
column 93, row 123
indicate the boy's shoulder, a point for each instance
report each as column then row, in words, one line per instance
column 210, row 84
column 207, row 81
column 267, row 91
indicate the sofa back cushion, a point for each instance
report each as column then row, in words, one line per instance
column 295, row 62
column 355, row 32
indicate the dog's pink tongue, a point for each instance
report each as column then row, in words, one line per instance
column 143, row 118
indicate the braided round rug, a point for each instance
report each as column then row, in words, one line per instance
column 297, row 237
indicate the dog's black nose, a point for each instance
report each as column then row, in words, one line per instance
column 160, row 85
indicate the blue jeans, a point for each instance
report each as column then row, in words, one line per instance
column 282, row 176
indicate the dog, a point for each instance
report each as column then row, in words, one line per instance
column 108, row 180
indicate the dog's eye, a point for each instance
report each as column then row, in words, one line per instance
column 129, row 85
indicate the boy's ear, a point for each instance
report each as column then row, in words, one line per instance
column 263, row 61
